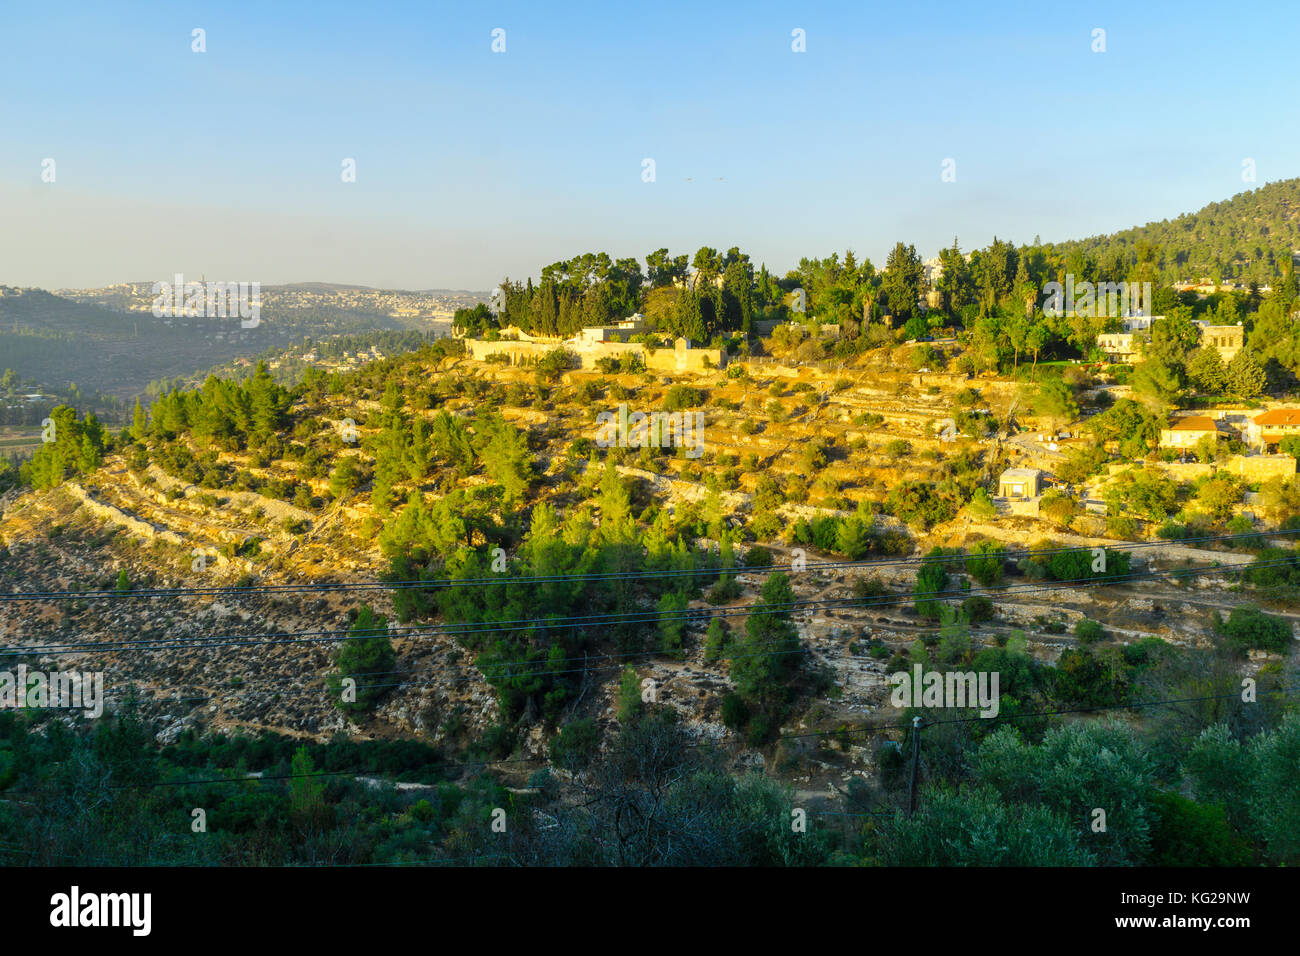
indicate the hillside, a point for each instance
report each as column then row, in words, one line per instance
column 55, row 340
column 457, row 575
column 1250, row 238
column 721, row 652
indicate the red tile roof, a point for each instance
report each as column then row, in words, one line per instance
column 1279, row 416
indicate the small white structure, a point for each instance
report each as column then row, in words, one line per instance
column 1019, row 483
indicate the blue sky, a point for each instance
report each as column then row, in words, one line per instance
column 473, row 165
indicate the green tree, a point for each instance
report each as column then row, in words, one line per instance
column 346, row 476
column 508, row 461
column 629, row 696
column 854, row 538
column 985, row 563
column 1158, row 383
column 902, row 281
column 981, row 506
column 1172, row 339
column 139, row 424
column 931, row 580
column 1244, row 377
column 672, row 622
column 1130, row 424
column 716, row 640
column 306, row 790
column 977, row 827
column 367, row 659
column 1077, row 769
column 1206, row 371
column 1054, row 400
column 768, row 657
column 1275, row 782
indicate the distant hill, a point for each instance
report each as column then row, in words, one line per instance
column 56, row 341
column 1250, row 237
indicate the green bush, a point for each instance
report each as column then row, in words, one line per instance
column 681, row 397
column 931, row 579
column 977, row 609
column 1187, row 833
column 1248, row 628
column 1089, row 632
column 575, row 744
column 735, row 712
column 868, row 587
column 629, row 696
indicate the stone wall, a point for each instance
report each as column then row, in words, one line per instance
column 1250, row 467
column 136, row 526
column 1185, row 470
column 680, row 358
column 1262, row 467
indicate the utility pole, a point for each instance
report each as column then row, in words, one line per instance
column 916, row 761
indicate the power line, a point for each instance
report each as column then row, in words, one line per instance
column 487, row 677
column 435, row 584
column 637, row 617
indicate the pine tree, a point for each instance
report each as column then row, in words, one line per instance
column 366, row 657
column 769, row 654
column 1206, row 371
column 1244, row 375
column 139, row 424
column 306, row 790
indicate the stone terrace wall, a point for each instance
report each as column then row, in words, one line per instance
column 676, row 359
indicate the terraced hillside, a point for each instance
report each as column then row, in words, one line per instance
column 784, row 449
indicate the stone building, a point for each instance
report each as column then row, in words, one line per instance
column 1228, row 340
column 1018, row 483
column 1184, row 433
column 1267, row 430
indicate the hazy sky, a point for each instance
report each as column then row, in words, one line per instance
column 473, row 165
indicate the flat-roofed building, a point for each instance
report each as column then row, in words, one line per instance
column 1119, row 347
column 1227, row 340
column 1019, row 483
